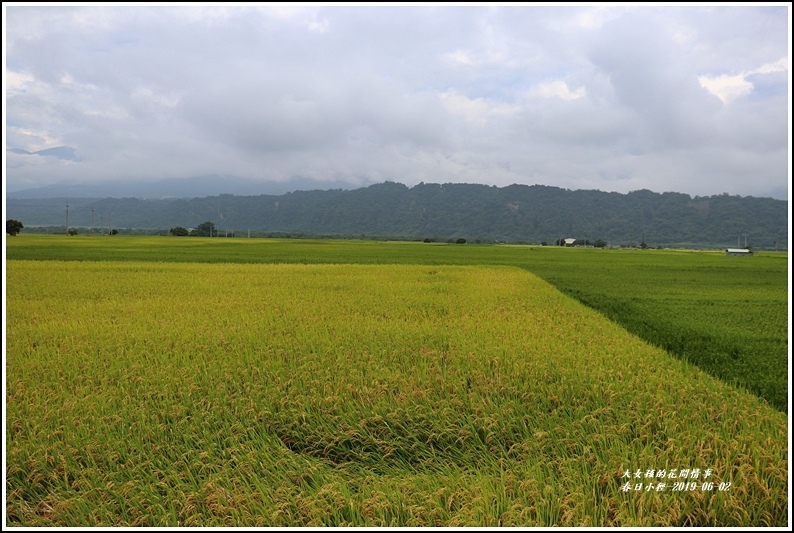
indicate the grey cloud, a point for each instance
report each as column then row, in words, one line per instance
column 401, row 93
column 650, row 76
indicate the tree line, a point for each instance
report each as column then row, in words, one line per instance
column 447, row 212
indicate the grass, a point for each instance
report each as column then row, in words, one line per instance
column 727, row 315
column 143, row 393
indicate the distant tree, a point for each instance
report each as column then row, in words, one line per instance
column 600, row 243
column 72, row 231
column 179, row 231
column 114, row 232
column 461, row 241
column 205, row 229
column 13, row 227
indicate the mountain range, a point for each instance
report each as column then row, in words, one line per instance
column 207, row 185
column 431, row 211
column 60, row 152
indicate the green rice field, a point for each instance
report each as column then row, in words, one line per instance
column 156, row 381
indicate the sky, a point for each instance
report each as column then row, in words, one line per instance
column 685, row 98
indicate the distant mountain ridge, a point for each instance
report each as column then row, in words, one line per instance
column 61, row 152
column 197, row 186
column 517, row 213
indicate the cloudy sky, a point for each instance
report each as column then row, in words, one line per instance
column 684, row 98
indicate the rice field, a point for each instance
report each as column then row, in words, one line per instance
column 146, row 393
column 727, row 315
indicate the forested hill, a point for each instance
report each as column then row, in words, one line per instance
column 516, row 214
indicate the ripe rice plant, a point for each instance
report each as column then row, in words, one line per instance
column 185, row 394
column 728, row 316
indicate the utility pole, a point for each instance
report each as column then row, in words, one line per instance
column 67, row 219
column 92, row 222
column 110, row 223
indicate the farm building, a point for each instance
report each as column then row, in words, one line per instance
column 738, row 251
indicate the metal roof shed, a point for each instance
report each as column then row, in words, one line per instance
column 738, row 251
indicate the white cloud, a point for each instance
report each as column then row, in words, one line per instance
column 147, row 94
column 728, row 88
column 111, row 112
column 459, row 56
column 286, row 10
column 18, row 82
column 780, row 65
column 67, row 79
column 32, row 140
column 558, row 89
column 476, row 110
column 595, row 17
column 204, row 14
column 318, row 26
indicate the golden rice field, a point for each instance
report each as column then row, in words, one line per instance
column 185, row 394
